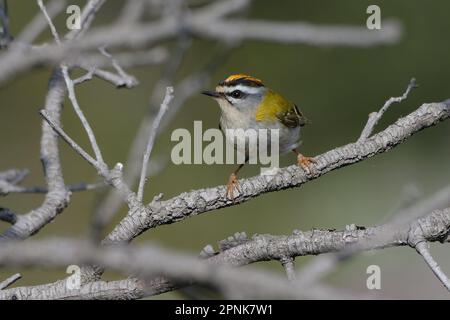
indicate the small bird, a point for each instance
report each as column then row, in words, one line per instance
column 246, row 103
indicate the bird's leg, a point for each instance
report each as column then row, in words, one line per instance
column 233, row 183
column 303, row 161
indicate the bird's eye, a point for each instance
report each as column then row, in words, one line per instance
column 237, row 94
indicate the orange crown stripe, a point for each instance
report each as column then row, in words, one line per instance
column 235, row 77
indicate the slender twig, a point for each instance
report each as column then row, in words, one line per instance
column 13, row 176
column 40, row 189
column 39, row 23
column 127, row 80
column 110, row 204
column 79, row 112
column 49, row 21
column 10, row 281
column 374, row 117
column 71, row 90
column 113, row 177
column 127, row 59
column 93, row 64
column 111, row 77
column 422, row 249
column 151, row 140
column 69, row 140
column 289, row 267
column 86, row 77
column 10, row 179
column 147, row 125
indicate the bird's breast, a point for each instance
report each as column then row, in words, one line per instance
column 288, row 138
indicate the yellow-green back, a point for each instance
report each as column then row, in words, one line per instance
column 272, row 106
column 275, row 107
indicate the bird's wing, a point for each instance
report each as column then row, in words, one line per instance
column 274, row 106
column 292, row 117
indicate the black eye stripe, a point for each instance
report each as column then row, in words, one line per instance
column 236, row 94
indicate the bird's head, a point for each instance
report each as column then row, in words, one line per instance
column 239, row 91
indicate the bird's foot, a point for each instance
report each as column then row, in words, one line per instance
column 232, row 184
column 305, row 162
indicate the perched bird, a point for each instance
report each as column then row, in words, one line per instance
column 246, row 103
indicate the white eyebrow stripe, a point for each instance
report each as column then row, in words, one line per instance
column 245, row 89
column 220, row 89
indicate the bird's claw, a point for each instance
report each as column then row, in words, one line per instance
column 232, row 184
column 305, row 162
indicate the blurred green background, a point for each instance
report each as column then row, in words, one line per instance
column 335, row 87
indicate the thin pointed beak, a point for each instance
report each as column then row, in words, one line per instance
column 213, row 94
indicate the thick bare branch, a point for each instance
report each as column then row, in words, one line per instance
column 322, row 265
column 199, row 201
column 298, row 32
column 206, row 22
column 148, row 260
column 113, row 177
column 57, row 197
column 120, row 290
